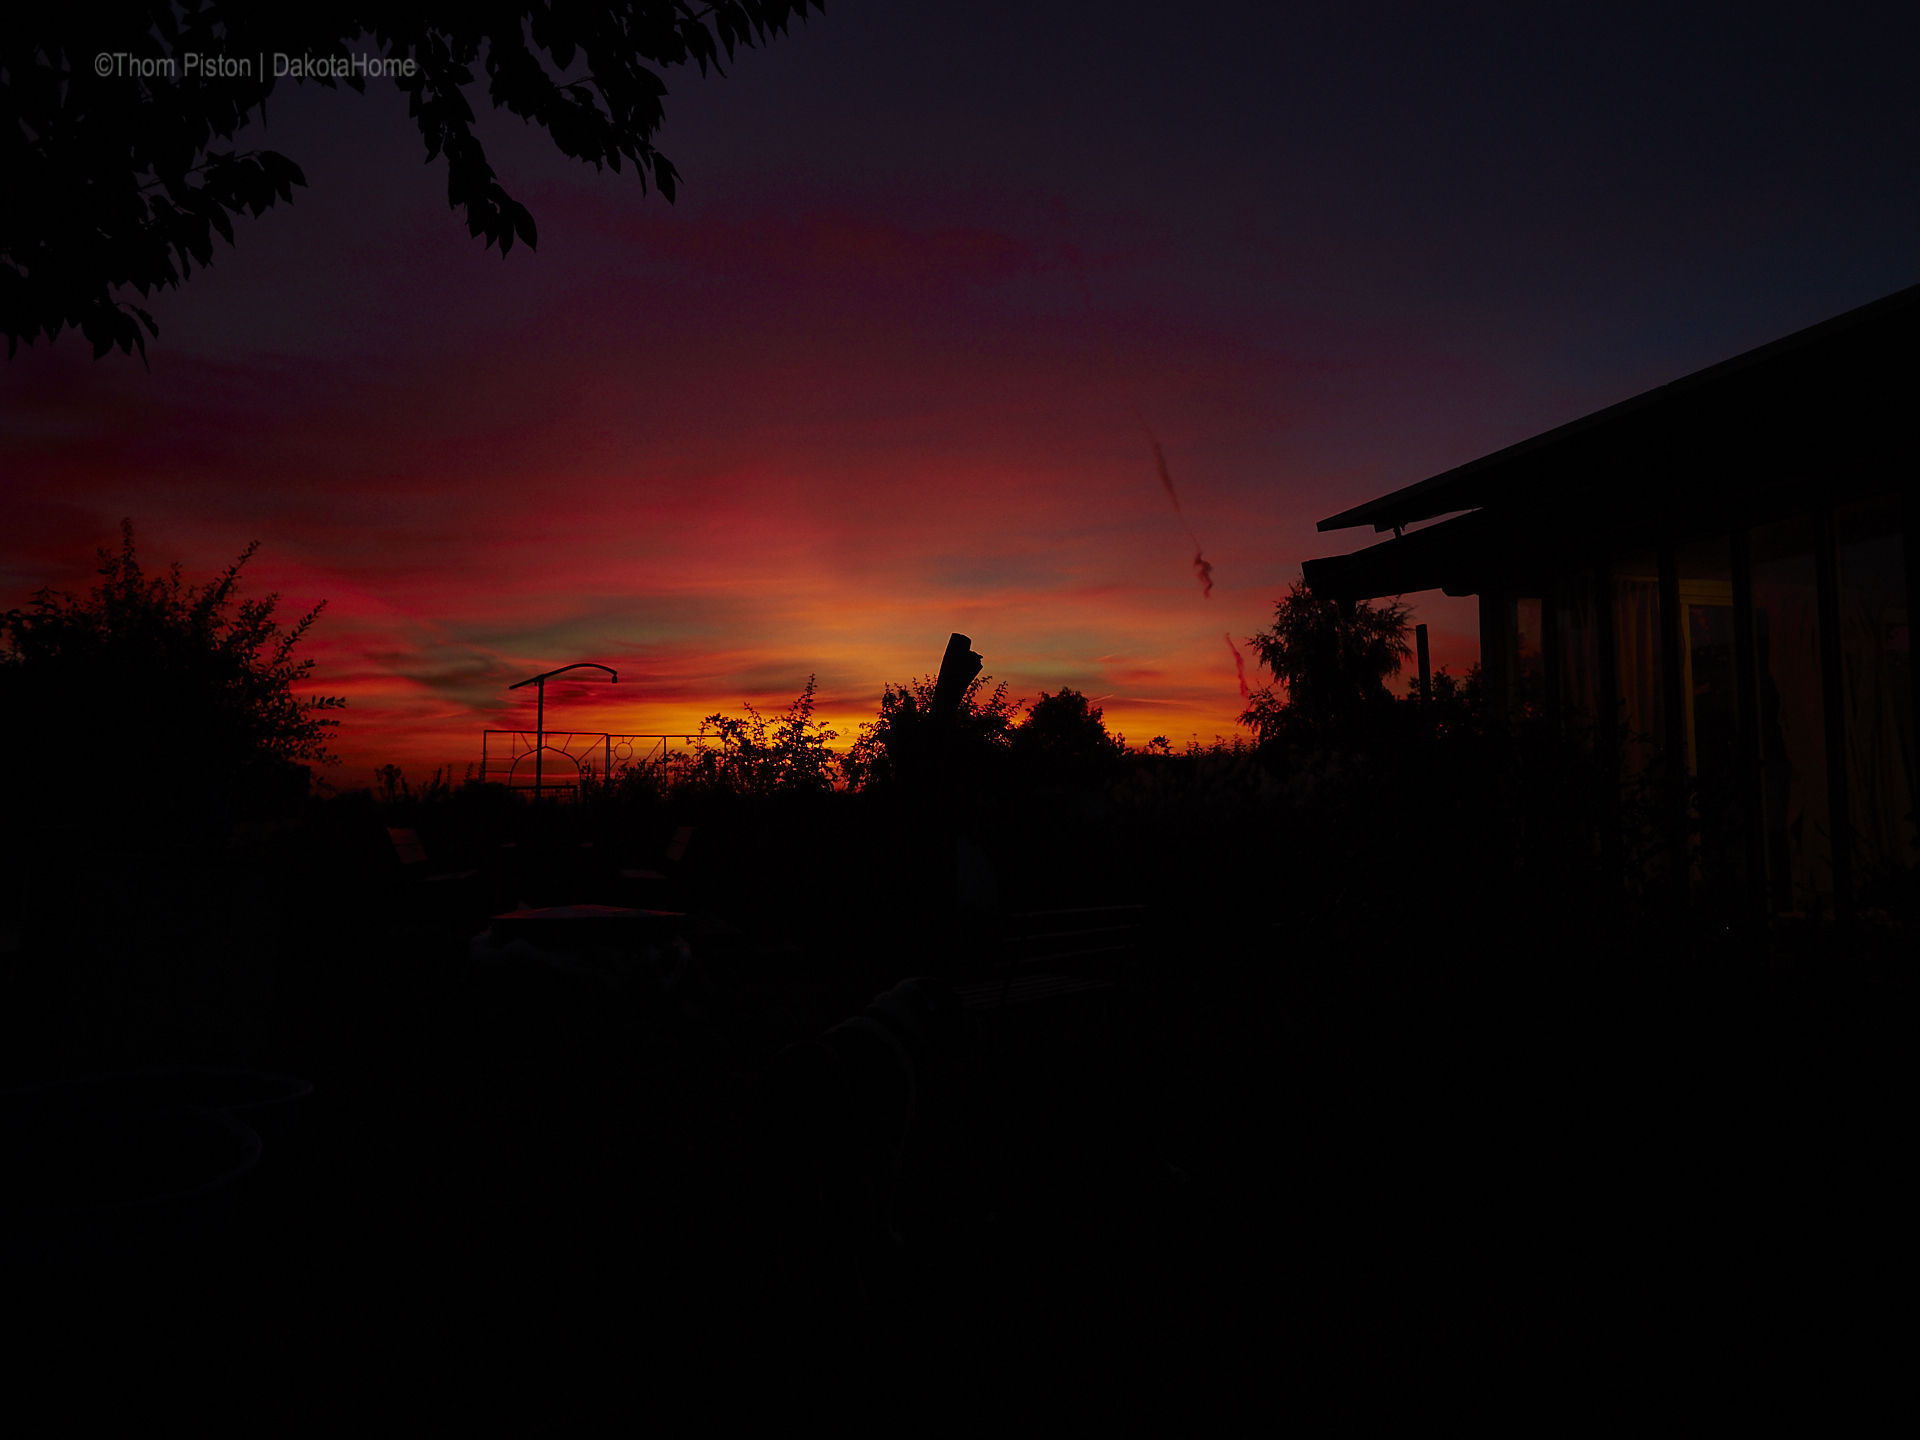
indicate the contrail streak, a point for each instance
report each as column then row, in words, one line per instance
column 1202, row 571
column 1239, row 665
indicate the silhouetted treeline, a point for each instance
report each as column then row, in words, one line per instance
column 1398, row 832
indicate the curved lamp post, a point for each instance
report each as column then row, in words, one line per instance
column 540, row 711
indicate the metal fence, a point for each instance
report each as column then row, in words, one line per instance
column 569, row 759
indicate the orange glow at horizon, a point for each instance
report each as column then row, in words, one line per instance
column 863, row 436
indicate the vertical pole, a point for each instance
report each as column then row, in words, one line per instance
column 1551, row 660
column 1746, row 683
column 1426, row 669
column 1834, row 699
column 1673, row 728
column 606, row 758
column 1910, row 560
column 1606, row 689
column 539, row 733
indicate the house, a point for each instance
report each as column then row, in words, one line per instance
column 1710, row 582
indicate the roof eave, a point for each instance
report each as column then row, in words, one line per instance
column 1453, row 490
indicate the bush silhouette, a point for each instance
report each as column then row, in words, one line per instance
column 190, row 682
column 1064, row 742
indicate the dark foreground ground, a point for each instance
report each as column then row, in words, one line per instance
column 1536, row 1187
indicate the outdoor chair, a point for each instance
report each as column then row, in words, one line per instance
column 1048, row 954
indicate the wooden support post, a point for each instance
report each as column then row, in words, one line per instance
column 1746, row 682
column 1673, row 729
column 1910, row 555
column 1834, row 704
column 1551, row 659
column 1426, row 667
column 1606, row 732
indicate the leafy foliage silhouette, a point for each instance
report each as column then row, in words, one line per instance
column 758, row 754
column 118, row 179
column 1334, row 668
column 193, row 675
column 1064, row 741
column 900, row 746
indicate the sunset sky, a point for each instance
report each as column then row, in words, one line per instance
column 846, row 395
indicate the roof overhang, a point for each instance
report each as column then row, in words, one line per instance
column 1833, row 365
column 1451, row 556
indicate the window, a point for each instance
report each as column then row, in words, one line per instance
column 1530, row 669
column 1710, row 724
column 1636, row 639
column 1573, row 613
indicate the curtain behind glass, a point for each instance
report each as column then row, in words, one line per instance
column 1636, row 629
column 1711, row 725
column 1636, row 633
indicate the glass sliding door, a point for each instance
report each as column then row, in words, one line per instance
column 1710, row 725
column 1786, row 639
column 1530, row 664
column 1640, row 719
column 1636, row 643
column 1877, row 683
column 1573, row 614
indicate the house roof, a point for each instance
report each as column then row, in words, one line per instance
column 1492, row 477
column 1807, row 419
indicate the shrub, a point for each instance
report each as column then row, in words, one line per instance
column 759, row 755
column 902, row 747
column 194, row 684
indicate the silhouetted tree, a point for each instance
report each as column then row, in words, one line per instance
column 160, row 694
column 110, row 119
column 902, row 746
column 1064, row 741
column 1334, row 668
column 393, row 784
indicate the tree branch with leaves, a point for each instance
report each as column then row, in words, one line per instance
column 119, row 179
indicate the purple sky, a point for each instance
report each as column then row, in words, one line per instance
column 846, row 396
